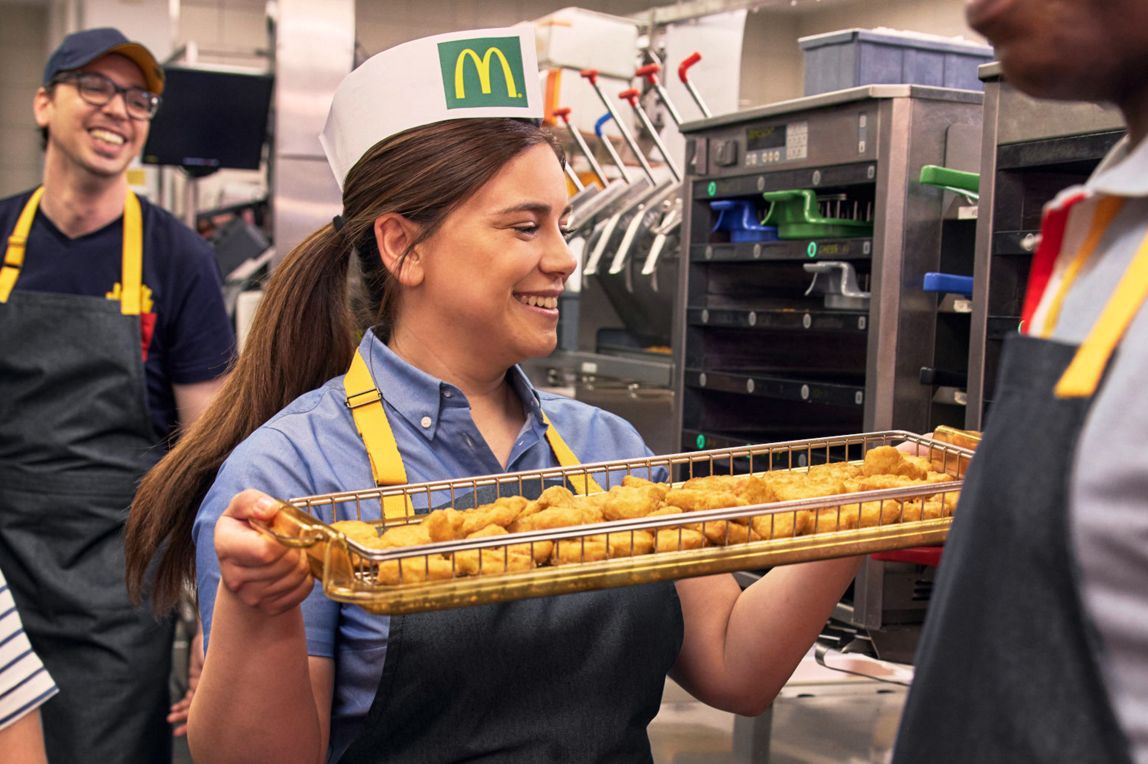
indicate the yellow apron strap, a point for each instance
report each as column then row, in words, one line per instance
column 366, row 406
column 131, row 272
column 131, row 290
column 583, row 484
column 14, row 255
column 1106, row 210
column 1083, row 375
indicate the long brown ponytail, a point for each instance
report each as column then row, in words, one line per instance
column 305, row 330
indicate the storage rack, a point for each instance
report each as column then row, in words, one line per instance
column 759, row 361
column 1031, row 150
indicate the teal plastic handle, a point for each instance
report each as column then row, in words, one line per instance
column 957, row 181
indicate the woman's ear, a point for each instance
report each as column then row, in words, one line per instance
column 393, row 236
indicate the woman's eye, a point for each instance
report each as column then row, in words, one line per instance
column 527, row 229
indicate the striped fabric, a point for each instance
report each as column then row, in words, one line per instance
column 24, row 682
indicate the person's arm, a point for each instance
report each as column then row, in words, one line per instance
column 740, row 647
column 192, row 400
column 260, row 697
column 22, row 741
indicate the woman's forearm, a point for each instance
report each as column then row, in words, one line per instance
column 255, row 701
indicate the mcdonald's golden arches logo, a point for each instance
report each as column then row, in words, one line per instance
column 484, row 71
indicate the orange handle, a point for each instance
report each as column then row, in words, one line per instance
column 630, row 95
column 649, row 71
column 590, row 74
column 564, row 113
column 692, row 59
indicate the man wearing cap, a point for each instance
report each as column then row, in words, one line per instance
column 113, row 335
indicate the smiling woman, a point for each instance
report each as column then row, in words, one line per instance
column 453, row 218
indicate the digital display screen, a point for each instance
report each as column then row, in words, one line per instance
column 769, row 137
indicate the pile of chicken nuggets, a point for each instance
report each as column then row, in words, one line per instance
column 557, row 507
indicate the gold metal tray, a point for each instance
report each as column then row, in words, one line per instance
column 350, row 571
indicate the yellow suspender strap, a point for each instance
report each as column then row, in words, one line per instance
column 366, row 406
column 17, row 241
column 131, row 290
column 1083, row 375
column 1106, row 210
column 583, row 484
column 131, row 271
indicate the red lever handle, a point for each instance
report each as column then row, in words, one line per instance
column 649, row 71
column 630, row 95
column 564, row 113
column 590, row 74
column 690, row 61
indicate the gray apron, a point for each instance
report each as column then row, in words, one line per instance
column 574, row 678
column 1007, row 668
column 75, row 437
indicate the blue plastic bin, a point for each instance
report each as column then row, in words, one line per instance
column 853, row 57
column 738, row 218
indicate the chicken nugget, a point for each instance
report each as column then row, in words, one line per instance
column 502, row 513
column 696, row 499
column 624, row 502
column 492, row 560
column 396, row 536
column 723, row 533
column 364, row 534
column 414, row 570
column 633, row 481
column 629, row 543
column 578, row 550
column 556, row 517
column 445, row 524
column 783, row 525
column 678, row 538
column 887, row 460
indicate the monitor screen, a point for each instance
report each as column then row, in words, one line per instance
column 210, row 120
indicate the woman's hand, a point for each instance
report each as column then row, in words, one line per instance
column 262, row 573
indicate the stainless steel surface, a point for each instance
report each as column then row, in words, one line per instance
column 314, row 50
column 1024, row 118
column 978, row 320
column 1013, row 120
column 834, row 98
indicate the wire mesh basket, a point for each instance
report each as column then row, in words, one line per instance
column 666, row 544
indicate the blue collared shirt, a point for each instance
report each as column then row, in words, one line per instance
column 312, row 447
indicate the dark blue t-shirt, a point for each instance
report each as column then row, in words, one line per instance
column 191, row 336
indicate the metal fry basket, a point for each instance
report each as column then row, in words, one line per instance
column 619, row 552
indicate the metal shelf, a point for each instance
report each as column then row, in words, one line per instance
column 772, row 386
column 860, row 248
column 788, row 319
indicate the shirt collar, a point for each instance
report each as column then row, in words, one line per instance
column 1124, row 172
column 419, row 397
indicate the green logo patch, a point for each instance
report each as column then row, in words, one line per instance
column 484, row 71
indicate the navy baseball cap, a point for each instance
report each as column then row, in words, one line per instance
column 82, row 48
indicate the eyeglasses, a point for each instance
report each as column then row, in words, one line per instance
column 98, row 90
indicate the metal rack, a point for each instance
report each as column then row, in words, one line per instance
column 1031, row 150
column 758, row 358
column 431, row 576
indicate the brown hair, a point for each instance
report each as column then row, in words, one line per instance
column 305, row 330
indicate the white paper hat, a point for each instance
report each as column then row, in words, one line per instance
column 479, row 73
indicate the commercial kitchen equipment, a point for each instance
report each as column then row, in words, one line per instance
column 763, row 354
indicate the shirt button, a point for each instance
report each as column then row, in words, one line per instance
column 425, row 422
column 447, row 394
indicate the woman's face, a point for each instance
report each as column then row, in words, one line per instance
column 494, row 270
column 1094, row 50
